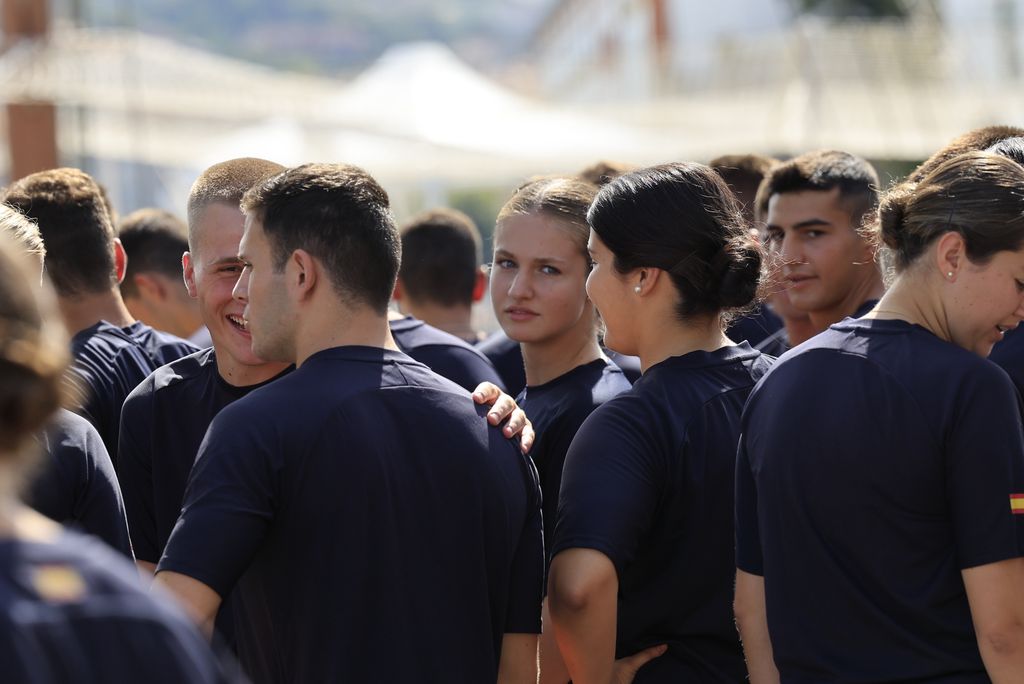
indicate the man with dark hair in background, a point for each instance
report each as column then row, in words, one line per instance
column 360, row 549
column 112, row 351
column 153, row 291
column 971, row 141
column 441, row 277
column 814, row 206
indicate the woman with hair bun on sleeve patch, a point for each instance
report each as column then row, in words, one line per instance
column 880, row 474
column 642, row 567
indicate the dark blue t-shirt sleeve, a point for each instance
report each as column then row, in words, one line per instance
column 527, row 579
column 610, row 484
column 233, row 491
column 748, row 534
column 985, row 466
column 465, row 367
column 136, row 472
column 78, row 486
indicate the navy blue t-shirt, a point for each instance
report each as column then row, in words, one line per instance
column 76, row 484
column 557, row 409
column 504, row 353
column 778, row 342
column 876, row 463
column 443, row 353
column 108, row 362
column 754, row 327
column 1009, row 354
column 648, row 482
column 74, row 611
column 377, row 529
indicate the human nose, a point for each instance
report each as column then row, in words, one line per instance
column 521, row 286
column 790, row 250
column 241, row 290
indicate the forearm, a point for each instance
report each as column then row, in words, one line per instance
column 552, row 667
column 752, row 622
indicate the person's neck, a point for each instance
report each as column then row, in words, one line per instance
column 242, row 375
column 455, row 320
column 799, row 329
column 869, row 288
column 333, row 324
column 668, row 337
column 85, row 310
column 545, row 361
column 908, row 300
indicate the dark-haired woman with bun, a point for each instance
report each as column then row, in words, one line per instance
column 642, row 565
column 71, row 609
column 880, row 475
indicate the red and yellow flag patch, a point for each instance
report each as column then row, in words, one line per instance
column 1017, row 504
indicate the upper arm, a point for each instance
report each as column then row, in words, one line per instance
column 518, row 659
column 995, row 596
column 578, row 577
column 199, row 600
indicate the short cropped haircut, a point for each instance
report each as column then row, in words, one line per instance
column 603, row 172
column 23, row 231
column 823, row 170
column 441, row 254
column 743, row 174
column 71, row 213
column 341, row 216
column 154, row 241
column 226, row 182
column 972, row 141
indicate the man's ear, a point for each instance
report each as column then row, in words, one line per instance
column 480, row 284
column 120, row 260
column 302, row 272
column 396, row 294
column 188, row 274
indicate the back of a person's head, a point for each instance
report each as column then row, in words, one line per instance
column 154, row 241
column 225, row 183
column 441, row 254
column 822, row 171
column 743, row 174
column 33, row 347
column 71, row 213
column 603, row 172
column 341, row 216
column 683, row 219
column 976, row 194
column 1011, row 148
column 971, row 141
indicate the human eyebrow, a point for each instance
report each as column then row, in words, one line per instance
column 811, row 223
column 226, row 261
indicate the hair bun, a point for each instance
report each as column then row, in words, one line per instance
column 892, row 210
column 740, row 273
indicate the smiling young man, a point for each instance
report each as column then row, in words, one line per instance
column 374, row 527
column 814, row 206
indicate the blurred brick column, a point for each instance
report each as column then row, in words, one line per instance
column 31, row 126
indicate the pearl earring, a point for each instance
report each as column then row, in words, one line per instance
column 949, row 275
column 637, row 289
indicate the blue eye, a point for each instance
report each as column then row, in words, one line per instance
column 550, row 270
column 505, row 264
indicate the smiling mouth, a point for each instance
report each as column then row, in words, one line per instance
column 239, row 322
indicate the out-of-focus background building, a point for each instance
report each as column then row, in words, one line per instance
column 456, row 101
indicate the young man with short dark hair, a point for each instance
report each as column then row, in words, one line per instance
column 112, row 351
column 154, row 241
column 377, row 529
column 814, row 206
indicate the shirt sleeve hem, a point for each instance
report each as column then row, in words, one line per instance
column 197, row 574
column 989, row 557
column 600, row 545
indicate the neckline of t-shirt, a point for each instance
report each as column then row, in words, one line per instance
column 700, row 358
column 601, row 363
column 361, row 352
column 891, row 326
column 238, row 390
column 406, row 323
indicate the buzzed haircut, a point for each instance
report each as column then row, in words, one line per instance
column 603, row 172
column 341, row 216
column 743, row 174
column 154, row 241
column 977, row 140
column 22, row 230
column 226, row 182
column 441, row 255
column 71, row 213
column 822, row 171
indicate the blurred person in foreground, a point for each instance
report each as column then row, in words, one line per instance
column 328, row 486
column 71, row 609
column 813, row 206
column 154, row 241
column 111, row 351
column 880, row 475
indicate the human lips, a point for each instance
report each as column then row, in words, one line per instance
column 520, row 313
column 238, row 322
column 797, row 280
